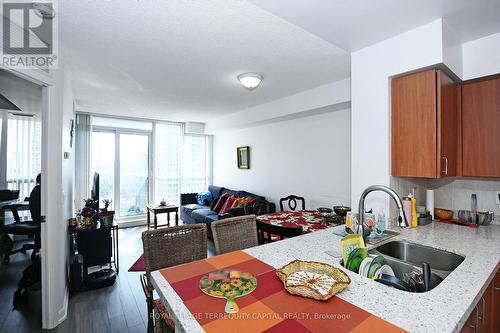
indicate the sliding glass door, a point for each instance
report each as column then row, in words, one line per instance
column 134, row 174
column 122, row 158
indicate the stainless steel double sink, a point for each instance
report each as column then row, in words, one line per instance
column 405, row 257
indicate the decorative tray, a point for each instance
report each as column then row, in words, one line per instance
column 313, row 279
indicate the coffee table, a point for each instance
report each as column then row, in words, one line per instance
column 158, row 209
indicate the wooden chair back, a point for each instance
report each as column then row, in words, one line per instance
column 291, row 202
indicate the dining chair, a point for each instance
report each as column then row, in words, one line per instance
column 168, row 247
column 291, row 202
column 234, row 233
column 258, row 206
column 268, row 233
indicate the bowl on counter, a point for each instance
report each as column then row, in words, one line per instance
column 482, row 218
column 341, row 210
column 443, row 214
column 325, row 210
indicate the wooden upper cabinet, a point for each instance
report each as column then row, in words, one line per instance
column 424, row 125
column 481, row 128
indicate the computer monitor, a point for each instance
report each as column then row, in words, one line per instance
column 94, row 193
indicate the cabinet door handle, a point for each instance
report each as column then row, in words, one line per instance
column 445, row 171
column 497, row 288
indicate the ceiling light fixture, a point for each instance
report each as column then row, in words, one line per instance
column 250, row 80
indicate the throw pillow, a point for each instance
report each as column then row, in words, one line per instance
column 228, row 204
column 246, row 200
column 220, row 203
column 204, row 198
column 214, row 202
column 237, row 202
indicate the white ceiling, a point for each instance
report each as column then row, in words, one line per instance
column 179, row 59
column 355, row 24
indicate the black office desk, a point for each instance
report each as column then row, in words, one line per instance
column 22, row 205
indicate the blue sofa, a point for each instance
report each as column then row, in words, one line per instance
column 191, row 212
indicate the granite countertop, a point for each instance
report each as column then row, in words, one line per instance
column 443, row 309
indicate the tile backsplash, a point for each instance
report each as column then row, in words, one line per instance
column 453, row 193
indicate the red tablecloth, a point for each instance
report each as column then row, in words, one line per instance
column 309, row 220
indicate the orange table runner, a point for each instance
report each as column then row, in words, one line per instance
column 269, row 308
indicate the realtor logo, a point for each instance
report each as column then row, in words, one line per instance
column 28, row 34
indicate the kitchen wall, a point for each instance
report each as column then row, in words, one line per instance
column 307, row 156
column 452, row 193
column 371, row 69
column 481, row 57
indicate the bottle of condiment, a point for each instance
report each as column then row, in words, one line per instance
column 408, row 209
column 414, row 220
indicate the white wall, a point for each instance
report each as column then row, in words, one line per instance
column 481, row 57
column 371, row 68
column 452, row 50
column 308, row 156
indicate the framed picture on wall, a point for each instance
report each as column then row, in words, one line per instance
column 243, row 155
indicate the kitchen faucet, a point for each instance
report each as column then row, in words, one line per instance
column 402, row 221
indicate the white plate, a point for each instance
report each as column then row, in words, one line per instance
column 364, row 266
column 385, row 269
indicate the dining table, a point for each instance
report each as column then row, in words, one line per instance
column 268, row 308
column 308, row 220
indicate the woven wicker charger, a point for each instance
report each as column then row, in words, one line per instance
column 341, row 278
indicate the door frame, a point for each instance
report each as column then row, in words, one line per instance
column 51, row 317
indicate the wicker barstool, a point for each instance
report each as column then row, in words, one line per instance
column 235, row 233
column 167, row 247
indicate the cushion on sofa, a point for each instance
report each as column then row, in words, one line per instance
column 200, row 214
column 210, row 218
column 204, row 198
column 228, row 204
column 231, row 192
column 215, row 190
column 192, row 207
column 220, row 202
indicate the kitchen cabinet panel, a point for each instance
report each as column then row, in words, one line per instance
column 481, row 128
column 495, row 307
column 485, row 316
column 448, row 126
column 424, row 125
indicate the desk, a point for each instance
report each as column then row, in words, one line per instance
column 4, row 206
column 98, row 245
column 157, row 209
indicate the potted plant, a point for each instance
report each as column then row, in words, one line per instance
column 89, row 212
column 106, row 216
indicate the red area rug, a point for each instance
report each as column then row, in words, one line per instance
column 138, row 266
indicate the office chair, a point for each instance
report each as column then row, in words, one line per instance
column 28, row 228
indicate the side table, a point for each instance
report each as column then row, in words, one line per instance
column 157, row 209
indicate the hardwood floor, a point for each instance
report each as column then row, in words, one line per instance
column 118, row 308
